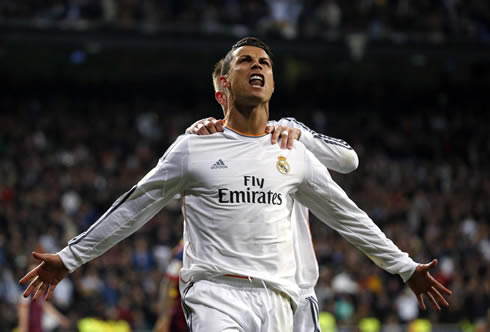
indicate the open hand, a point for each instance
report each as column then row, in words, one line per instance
column 287, row 135
column 45, row 276
column 423, row 284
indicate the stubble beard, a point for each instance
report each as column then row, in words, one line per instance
column 245, row 104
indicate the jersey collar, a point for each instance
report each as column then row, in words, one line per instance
column 238, row 133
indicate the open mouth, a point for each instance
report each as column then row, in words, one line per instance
column 256, row 80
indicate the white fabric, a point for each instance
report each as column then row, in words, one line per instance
column 238, row 216
column 331, row 205
column 336, row 155
column 238, row 305
column 305, row 318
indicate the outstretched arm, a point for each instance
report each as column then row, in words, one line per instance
column 128, row 213
column 331, row 204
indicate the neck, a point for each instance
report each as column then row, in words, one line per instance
column 252, row 120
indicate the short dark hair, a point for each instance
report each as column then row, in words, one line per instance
column 216, row 75
column 247, row 41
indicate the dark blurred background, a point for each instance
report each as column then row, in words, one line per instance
column 93, row 92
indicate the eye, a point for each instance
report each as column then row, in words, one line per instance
column 265, row 62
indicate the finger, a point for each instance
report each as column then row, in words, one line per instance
column 32, row 286
column 439, row 297
column 284, row 139
column 219, row 125
column 49, row 294
column 420, row 300
column 37, row 255
column 290, row 141
column 427, row 267
column 31, row 274
column 441, row 288
column 203, row 130
column 40, row 290
column 211, row 127
column 434, row 302
column 438, row 285
column 195, row 127
column 430, row 265
column 275, row 135
column 297, row 133
column 268, row 129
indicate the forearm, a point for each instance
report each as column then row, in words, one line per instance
column 330, row 203
column 126, row 216
column 132, row 210
column 359, row 230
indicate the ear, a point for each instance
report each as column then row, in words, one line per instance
column 223, row 81
column 220, row 98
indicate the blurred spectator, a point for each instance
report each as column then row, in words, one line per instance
column 434, row 21
column 142, row 257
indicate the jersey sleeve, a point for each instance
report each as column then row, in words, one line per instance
column 272, row 122
column 332, row 152
column 331, row 204
column 133, row 209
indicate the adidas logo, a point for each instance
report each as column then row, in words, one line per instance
column 219, row 164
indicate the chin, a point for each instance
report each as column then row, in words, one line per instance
column 246, row 103
column 257, row 99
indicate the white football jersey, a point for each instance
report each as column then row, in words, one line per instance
column 336, row 155
column 239, row 193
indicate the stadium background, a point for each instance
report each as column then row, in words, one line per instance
column 92, row 93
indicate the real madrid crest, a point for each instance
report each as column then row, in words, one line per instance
column 282, row 165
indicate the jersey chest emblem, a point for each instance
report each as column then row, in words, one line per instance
column 282, row 165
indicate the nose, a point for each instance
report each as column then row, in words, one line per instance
column 256, row 65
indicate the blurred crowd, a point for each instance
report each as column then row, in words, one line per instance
column 423, row 177
column 395, row 20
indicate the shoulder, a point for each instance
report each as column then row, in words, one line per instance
column 292, row 123
column 181, row 143
column 191, row 139
column 178, row 149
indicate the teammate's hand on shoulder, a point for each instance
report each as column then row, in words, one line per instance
column 206, row 126
column 286, row 134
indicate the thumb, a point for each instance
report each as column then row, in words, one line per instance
column 433, row 263
column 426, row 267
column 268, row 129
column 39, row 256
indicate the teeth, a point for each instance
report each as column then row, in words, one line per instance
column 256, row 77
